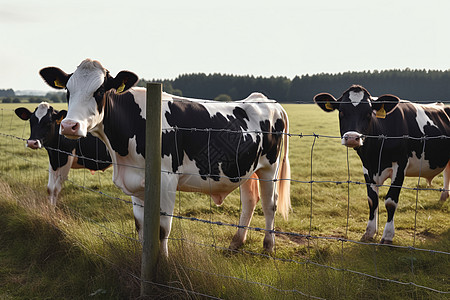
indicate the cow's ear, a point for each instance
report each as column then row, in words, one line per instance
column 23, row 113
column 55, row 77
column 122, row 82
column 326, row 102
column 385, row 104
column 58, row 116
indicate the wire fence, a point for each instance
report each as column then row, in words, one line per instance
column 13, row 135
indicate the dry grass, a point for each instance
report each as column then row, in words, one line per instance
column 75, row 250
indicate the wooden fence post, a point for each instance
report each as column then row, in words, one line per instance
column 150, row 247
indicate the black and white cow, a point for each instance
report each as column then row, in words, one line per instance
column 44, row 124
column 214, row 162
column 363, row 118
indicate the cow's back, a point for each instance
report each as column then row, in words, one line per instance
column 221, row 141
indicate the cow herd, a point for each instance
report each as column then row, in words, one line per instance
column 239, row 144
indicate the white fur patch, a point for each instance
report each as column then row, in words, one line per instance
column 356, row 97
column 422, row 118
column 389, row 231
column 42, row 110
column 390, row 202
column 372, row 225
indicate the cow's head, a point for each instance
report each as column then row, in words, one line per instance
column 43, row 123
column 357, row 111
column 86, row 89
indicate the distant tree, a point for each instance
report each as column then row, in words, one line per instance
column 56, row 96
column 35, row 99
column 16, row 100
column 7, row 93
column 7, row 100
column 168, row 88
column 223, row 97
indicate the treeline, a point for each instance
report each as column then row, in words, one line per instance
column 54, row 97
column 416, row 85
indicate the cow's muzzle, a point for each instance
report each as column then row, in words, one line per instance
column 352, row 139
column 34, row 144
column 70, row 129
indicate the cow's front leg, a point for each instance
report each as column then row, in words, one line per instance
column 164, row 224
column 138, row 212
column 169, row 184
column 391, row 201
column 372, row 224
column 56, row 179
column 167, row 203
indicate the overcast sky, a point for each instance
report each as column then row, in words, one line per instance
column 166, row 38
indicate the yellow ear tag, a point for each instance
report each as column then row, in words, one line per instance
column 329, row 106
column 58, row 83
column 59, row 120
column 381, row 113
column 120, row 88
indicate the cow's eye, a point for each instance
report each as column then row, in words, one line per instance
column 99, row 93
column 341, row 114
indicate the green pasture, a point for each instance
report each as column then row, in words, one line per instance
column 86, row 247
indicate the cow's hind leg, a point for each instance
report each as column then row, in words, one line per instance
column 445, row 193
column 249, row 198
column 269, row 198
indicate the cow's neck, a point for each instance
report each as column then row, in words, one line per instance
column 123, row 132
column 57, row 141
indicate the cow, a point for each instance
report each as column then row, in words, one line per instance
column 415, row 142
column 89, row 152
column 207, row 146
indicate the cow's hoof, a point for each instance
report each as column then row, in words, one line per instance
column 268, row 244
column 234, row 246
column 367, row 239
column 385, row 242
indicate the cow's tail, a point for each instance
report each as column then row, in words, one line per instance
column 284, row 173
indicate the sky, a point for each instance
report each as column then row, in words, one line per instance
column 166, row 38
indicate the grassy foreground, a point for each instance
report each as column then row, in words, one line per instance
column 86, row 247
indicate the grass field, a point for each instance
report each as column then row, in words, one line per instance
column 87, row 248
